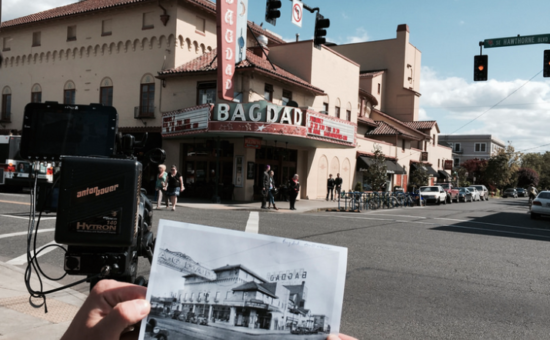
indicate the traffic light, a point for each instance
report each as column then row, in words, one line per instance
column 481, row 64
column 320, row 30
column 546, row 68
column 272, row 11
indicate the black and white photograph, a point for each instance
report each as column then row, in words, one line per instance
column 212, row 283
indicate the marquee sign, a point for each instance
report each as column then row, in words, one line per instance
column 328, row 128
column 296, row 276
column 227, row 37
column 261, row 111
column 191, row 120
column 185, row 264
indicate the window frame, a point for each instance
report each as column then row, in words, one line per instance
column 69, row 36
column 288, row 95
column 103, row 32
column 5, row 115
column 455, row 163
column 206, row 85
column 36, row 93
column 197, row 30
column 6, row 44
column 480, row 144
column 337, row 111
column 36, row 42
column 65, row 92
column 455, row 149
column 268, row 89
column 325, row 108
column 101, row 88
column 149, row 100
column 143, row 22
column 348, row 115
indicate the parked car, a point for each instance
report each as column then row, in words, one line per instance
column 190, row 317
column 452, row 193
column 483, row 192
column 201, row 320
column 464, row 195
column 510, row 192
column 434, row 194
column 541, row 205
column 152, row 329
column 476, row 196
column 522, row 192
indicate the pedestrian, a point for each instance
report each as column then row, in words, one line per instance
column 272, row 191
column 160, row 185
column 338, row 185
column 265, row 186
column 175, row 186
column 293, row 189
column 330, row 187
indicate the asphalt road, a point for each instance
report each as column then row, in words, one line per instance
column 461, row 271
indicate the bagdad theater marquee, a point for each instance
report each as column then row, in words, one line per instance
column 261, row 118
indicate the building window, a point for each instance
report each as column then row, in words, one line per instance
column 287, row 96
column 457, row 147
column 456, row 161
column 337, row 111
column 36, row 94
column 325, row 108
column 69, row 93
column 6, row 45
column 148, row 22
column 206, row 92
column 268, row 92
column 379, row 88
column 480, row 147
column 6, row 105
column 438, row 163
column 106, row 27
column 71, row 33
column 434, row 139
column 106, row 95
column 36, row 37
column 200, row 25
column 348, row 115
column 403, row 144
column 146, row 98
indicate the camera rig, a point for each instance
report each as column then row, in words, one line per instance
column 103, row 214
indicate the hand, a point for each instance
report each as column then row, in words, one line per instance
column 340, row 337
column 109, row 312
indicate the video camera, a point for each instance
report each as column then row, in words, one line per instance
column 103, row 215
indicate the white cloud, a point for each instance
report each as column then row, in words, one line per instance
column 361, row 35
column 12, row 9
column 423, row 115
column 522, row 118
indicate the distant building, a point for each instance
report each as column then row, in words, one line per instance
column 322, row 322
column 467, row 147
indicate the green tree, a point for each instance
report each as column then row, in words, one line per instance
column 527, row 176
column 539, row 163
column 419, row 177
column 376, row 173
column 502, row 168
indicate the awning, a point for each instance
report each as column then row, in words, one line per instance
column 392, row 167
column 443, row 174
column 426, row 167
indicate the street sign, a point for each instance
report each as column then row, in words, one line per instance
column 297, row 12
column 517, row 41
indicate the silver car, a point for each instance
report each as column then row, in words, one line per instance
column 476, row 196
column 483, row 192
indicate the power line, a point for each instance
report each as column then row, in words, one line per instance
column 492, row 107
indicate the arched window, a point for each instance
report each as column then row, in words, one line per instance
column 106, row 92
column 6, row 105
column 147, row 97
column 337, row 108
column 36, row 94
column 69, row 93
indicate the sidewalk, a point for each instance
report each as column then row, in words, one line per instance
column 22, row 321
column 246, row 330
column 301, row 206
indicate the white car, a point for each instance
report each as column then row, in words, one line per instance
column 434, row 194
column 541, row 205
column 476, row 196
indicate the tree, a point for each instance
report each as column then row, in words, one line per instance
column 475, row 168
column 502, row 167
column 376, row 173
column 419, row 177
column 539, row 163
column 527, row 177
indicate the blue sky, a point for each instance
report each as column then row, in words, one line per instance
column 447, row 33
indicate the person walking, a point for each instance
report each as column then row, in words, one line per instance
column 175, row 186
column 293, row 189
column 272, row 191
column 338, row 185
column 161, row 184
column 265, row 186
column 330, row 187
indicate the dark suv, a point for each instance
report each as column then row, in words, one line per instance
column 510, row 192
column 521, row 192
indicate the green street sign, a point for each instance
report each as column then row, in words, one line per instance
column 517, row 41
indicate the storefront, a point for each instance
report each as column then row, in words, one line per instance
column 394, row 172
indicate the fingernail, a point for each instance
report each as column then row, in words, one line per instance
column 143, row 307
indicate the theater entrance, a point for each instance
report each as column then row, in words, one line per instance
column 283, row 162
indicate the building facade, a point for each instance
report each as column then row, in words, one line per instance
column 301, row 110
column 467, row 147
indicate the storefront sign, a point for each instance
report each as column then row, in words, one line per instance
column 448, row 165
column 227, row 39
column 183, row 263
column 255, row 305
column 328, row 128
column 261, row 111
column 252, row 143
column 290, row 276
column 196, row 119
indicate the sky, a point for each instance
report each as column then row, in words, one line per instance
column 512, row 105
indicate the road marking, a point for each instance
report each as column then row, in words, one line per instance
column 498, row 231
column 412, row 216
column 23, row 258
column 493, row 224
column 13, row 202
column 25, row 233
column 253, row 224
column 26, row 218
column 376, row 219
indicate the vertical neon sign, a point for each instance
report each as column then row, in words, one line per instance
column 227, row 26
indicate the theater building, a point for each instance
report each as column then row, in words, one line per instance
column 301, row 110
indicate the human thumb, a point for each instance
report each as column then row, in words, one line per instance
column 121, row 317
column 333, row 337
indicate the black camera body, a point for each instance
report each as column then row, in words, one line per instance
column 103, row 215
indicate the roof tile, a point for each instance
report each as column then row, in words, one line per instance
column 421, row 125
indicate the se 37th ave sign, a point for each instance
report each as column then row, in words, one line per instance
column 517, row 41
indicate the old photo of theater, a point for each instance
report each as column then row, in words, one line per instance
column 211, row 283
